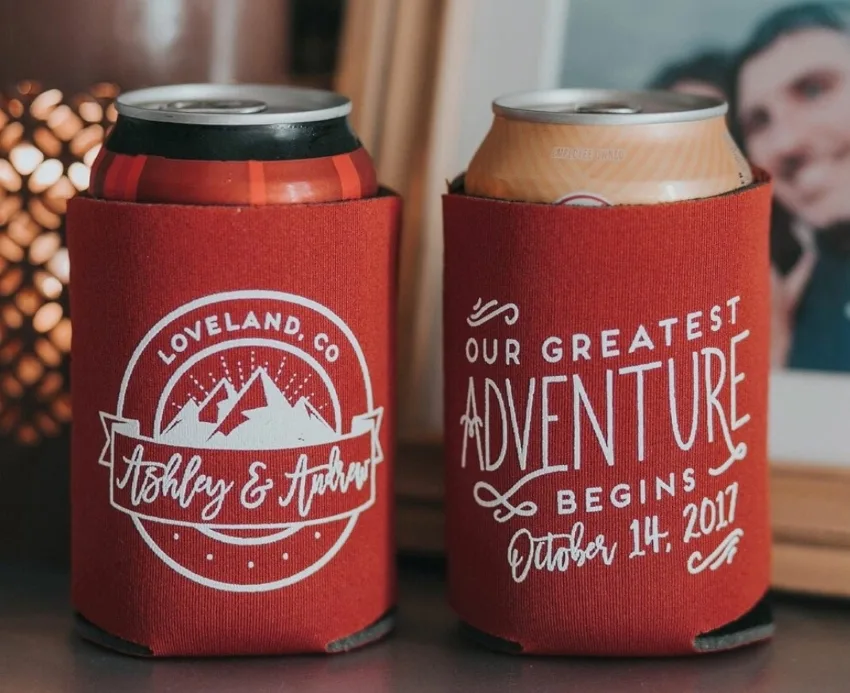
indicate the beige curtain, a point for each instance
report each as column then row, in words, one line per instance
column 388, row 66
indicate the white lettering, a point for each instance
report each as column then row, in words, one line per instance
column 692, row 329
column 582, row 401
column 566, row 502
column 548, row 418
column 733, row 304
column 228, row 323
column 641, row 340
column 592, row 502
column 609, row 344
column 292, row 326
column 213, row 328
column 471, row 350
column 581, row 347
column 489, row 464
column 639, row 401
column 252, row 495
column 512, row 351
column 736, row 378
column 555, row 552
column 668, row 329
column 196, row 333
column 552, row 351
column 308, row 482
column 716, row 320
column 150, row 481
column 273, row 321
column 521, row 444
column 472, row 424
column 674, row 407
column 251, row 321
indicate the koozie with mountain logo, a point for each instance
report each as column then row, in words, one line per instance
column 232, row 379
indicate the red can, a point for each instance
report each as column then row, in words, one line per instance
column 231, row 466
column 239, row 145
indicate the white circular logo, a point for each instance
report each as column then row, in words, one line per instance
column 245, row 440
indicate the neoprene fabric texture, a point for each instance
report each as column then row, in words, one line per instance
column 606, row 376
column 232, row 381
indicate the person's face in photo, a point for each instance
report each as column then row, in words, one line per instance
column 794, row 111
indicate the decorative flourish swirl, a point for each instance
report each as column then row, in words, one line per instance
column 504, row 509
column 739, row 453
column 724, row 553
column 480, row 313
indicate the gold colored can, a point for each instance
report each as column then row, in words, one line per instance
column 603, row 147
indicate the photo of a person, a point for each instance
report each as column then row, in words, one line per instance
column 792, row 106
column 783, row 66
column 784, row 69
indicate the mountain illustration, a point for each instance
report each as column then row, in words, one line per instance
column 187, row 428
column 257, row 417
column 259, row 393
column 211, row 406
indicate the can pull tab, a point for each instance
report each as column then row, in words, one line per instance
column 608, row 108
column 223, row 106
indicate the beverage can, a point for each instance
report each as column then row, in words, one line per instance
column 534, row 436
column 244, row 214
column 233, row 145
column 597, row 147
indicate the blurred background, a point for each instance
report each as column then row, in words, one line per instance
column 62, row 62
column 784, row 66
column 640, row 39
column 421, row 75
column 72, row 44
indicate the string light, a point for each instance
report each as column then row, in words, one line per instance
column 48, row 143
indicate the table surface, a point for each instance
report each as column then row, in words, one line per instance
column 40, row 654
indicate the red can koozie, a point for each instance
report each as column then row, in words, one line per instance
column 606, row 374
column 232, row 383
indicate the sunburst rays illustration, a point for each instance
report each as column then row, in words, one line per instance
column 289, row 374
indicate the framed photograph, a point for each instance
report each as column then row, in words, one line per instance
column 784, row 68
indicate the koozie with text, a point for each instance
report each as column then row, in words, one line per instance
column 232, row 384
column 606, row 377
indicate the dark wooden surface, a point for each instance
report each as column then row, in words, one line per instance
column 34, row 502
column 40, row 654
